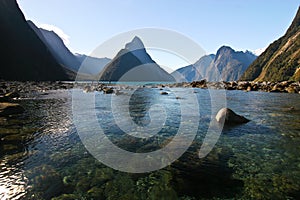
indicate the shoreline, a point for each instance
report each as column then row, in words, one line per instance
column 281, row 87
column 25, row 88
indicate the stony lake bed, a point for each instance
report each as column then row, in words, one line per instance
column 42, row 156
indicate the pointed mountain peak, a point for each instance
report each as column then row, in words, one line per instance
column 136, row 39
column 225, row 48
column 135, row 44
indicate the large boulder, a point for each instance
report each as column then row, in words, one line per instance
column 227, row 116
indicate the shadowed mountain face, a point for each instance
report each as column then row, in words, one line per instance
column 134, row 64
column 57, row 47
column 226, row 65
column 281, row 60
column 24, row 56
column 89, row 65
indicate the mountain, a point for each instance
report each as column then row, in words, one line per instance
column 133, row 63
column 137, row 48
column 229, row 65
column 23, row 55
column 57, row 47
column 89, row 65
column 196, row 71
column 226, row 65
column 281, row 60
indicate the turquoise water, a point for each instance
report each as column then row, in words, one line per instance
column 42, row 156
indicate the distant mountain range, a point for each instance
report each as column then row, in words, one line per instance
column 31, row 53
column 89, row 65
column 226, row 65
column 23, row 55
column 133, row 63
column 133, row 58
column 281, row 60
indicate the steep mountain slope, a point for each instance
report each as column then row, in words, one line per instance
column 229, row 65
column 196, row 71
column 281, row 60
column 57, row 47
column 23, row 54
column 89, row 65
column 226, row 65
column 134, row 64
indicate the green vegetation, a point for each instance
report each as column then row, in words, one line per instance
column 280, row 60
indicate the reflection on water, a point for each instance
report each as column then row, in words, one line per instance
column 13, row 182
column 42, row 156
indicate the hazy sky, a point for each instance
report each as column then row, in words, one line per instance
column 241, row 24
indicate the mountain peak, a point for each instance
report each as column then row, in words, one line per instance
column 135, row 44
column 133, row 63
column 225, row 48
column 226, row 65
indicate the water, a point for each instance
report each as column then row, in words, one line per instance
column 42, row 156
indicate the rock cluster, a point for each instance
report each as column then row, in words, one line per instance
column 15, row 89
column 11, row 92
column 23, row 88
column 283, row 86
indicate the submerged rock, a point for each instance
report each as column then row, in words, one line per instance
column 12, row 95
column 118, row 92
column 227, row 116
column 46, row 181
column 5, row 99
column 10, row 109
column 164, row 93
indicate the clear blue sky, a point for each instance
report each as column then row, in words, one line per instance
column 241, row 24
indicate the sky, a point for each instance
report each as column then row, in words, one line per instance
column 243, row 25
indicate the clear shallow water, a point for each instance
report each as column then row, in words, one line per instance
column 42, row 156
